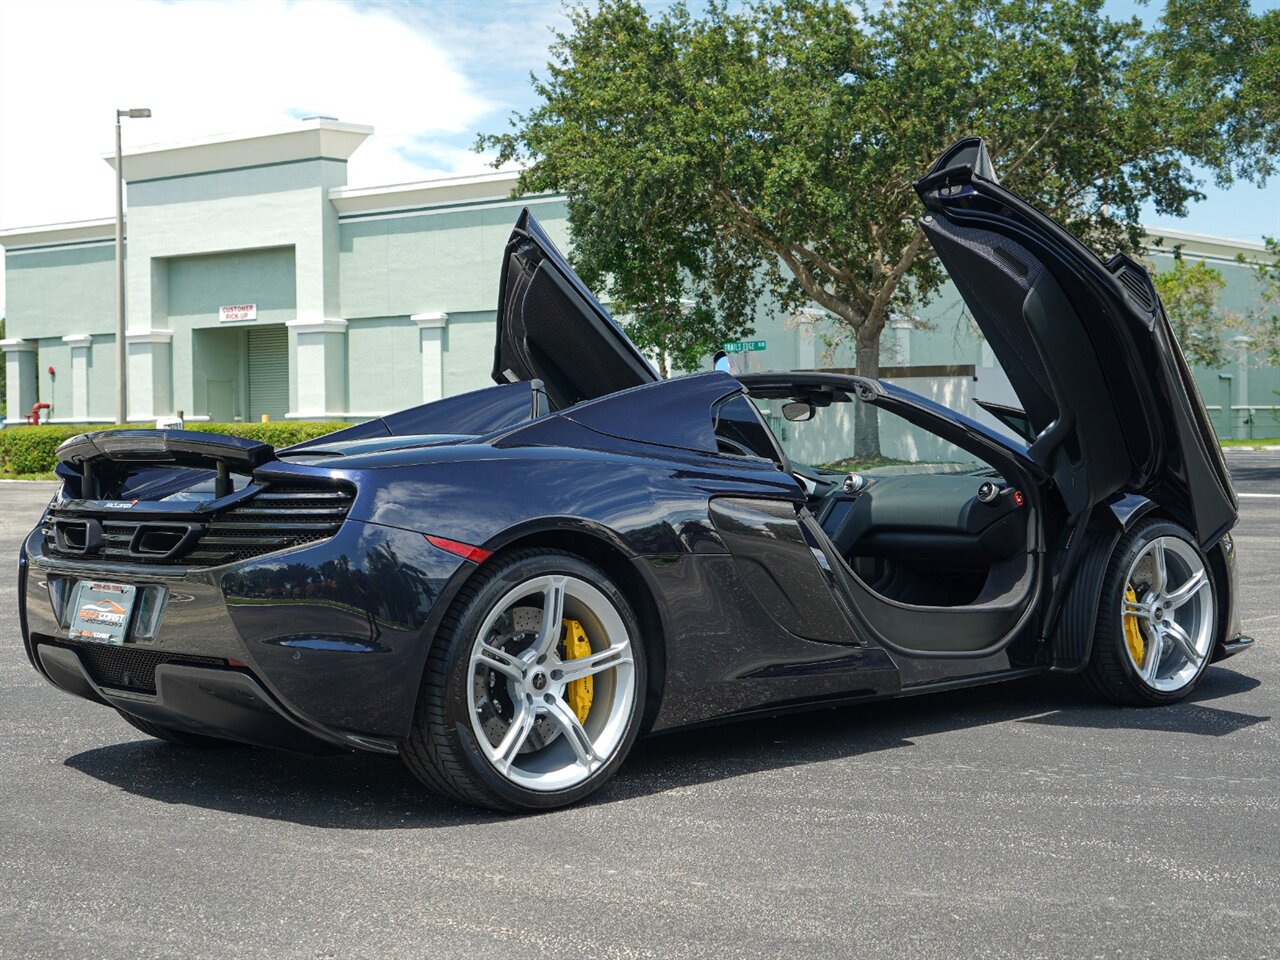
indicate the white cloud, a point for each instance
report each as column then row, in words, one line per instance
column 211, row 66
column 206, row 67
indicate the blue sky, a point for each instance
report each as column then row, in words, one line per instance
column 427, row 74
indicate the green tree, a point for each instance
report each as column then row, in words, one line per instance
column 772, row 147
column 1264, row 321
column 1190, row 295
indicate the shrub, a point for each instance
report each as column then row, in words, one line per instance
column 34, row 450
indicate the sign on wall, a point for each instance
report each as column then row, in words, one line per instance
column 238, row 311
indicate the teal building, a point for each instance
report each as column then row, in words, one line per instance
column 259, row 283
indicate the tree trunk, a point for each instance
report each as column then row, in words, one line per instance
column 866, row 418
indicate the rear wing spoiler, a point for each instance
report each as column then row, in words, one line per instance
column 91, row 453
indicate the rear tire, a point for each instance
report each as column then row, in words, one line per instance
column 171, row 735
column 1157, row 618
column 501, row 722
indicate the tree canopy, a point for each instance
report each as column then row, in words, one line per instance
column 718, row 155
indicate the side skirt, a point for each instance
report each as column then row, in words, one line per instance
column 811, row 706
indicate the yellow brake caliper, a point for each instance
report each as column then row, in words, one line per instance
column 1132, row 632
column 579, row 693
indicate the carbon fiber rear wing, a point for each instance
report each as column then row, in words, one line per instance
column 105, row 451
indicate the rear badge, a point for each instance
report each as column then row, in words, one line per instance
column 118, row 504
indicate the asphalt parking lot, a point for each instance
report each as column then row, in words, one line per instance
column 1021, row 820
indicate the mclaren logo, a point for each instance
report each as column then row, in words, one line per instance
column 118, row 504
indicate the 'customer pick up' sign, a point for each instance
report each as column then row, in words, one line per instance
column 238, row 311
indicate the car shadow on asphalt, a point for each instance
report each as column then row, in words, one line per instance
column 369, row 792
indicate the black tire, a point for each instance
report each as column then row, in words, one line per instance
column 442, row 749
column 171, row 735
column 1111, row 674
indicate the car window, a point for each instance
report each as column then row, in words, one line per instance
column 828, row 442
column 740, row 431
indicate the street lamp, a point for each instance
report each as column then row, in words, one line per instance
column 122, row 390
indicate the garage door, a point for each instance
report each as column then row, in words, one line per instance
column 268, row 372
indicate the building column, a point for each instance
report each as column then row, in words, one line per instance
column 318, row 356
column 150, row 366
column 20, row 378
column 79, row 343
column 431, row 327
column 806, row 322
column 1241, row 412
column 901, row 327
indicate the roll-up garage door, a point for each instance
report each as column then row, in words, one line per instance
column 268, row 372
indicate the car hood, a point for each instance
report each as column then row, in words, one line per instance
column 550, row 328
column 1109, row 400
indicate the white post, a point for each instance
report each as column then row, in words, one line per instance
column 806, row 319
column 431, row 327
column 319, row 361
column 1241, row 412
column 80, row 343
column 901, row 327
column 20, row 378
column 150, row 395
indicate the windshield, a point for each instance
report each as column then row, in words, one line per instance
column 828, row 442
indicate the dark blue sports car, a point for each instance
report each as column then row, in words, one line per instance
column 507, row 587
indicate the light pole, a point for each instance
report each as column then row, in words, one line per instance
column 122, row 357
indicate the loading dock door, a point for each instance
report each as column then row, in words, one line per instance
column 268, row 350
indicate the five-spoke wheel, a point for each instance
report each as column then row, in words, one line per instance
column 526, row 673
column 534, row 687
column 1157, row 619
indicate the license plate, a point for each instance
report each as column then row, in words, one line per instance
column 101, row 611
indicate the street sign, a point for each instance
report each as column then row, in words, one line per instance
column 745, row 346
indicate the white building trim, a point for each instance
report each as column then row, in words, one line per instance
column 149, row 336
column 308, row 140
column 15, row 239
column 326, row 325
column 443, row 190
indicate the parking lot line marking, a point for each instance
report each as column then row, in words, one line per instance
column 1260, row 496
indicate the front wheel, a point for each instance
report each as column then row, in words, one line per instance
column 1157, row 618
column 534, row 688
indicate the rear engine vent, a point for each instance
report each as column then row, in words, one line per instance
column 277, row 518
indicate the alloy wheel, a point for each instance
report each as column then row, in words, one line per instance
column 552, row 682
column 1168, row 614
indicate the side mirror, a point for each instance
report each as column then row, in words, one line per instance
column 798, row 411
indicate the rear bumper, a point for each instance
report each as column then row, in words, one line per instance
column 211, row 700
column 322, row 644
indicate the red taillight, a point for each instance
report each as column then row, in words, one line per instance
column 464, row 550
column 238, row 664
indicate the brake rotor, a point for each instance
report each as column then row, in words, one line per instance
column 514, row 633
